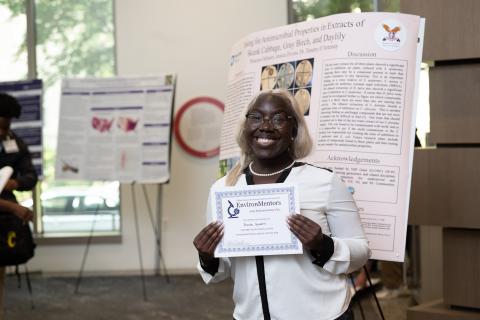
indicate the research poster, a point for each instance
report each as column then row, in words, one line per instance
column 115, row 129
column 356, row 78
column 29, row 125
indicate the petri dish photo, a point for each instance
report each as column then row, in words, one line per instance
column 303, row 74
column 269, row 77
column 303, row 99
column 286, row 74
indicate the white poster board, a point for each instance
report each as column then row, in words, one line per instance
column 356, row 78
column 115, row 129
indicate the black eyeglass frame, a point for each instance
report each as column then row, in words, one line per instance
column 288, row 117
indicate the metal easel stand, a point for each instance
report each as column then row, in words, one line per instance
column 29, row 287
column 156, row 231
column 356, row 292
column 85, row 253
column 139, row 246
column 373, row 292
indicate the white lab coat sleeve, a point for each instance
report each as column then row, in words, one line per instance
column 351, row 250
column 222, row 273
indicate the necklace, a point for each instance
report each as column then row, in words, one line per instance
column 269, row 174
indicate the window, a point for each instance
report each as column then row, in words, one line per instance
column 73, row 38
column 13, row 55
column 74, row 210
column 302, row 10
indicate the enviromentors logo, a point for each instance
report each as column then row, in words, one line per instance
column 234, row 210
column 390, row 35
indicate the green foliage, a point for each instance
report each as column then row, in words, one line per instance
column 303, row 9
column 389, row 5
column 75, row 38
column 17, row 7
column 320, row 8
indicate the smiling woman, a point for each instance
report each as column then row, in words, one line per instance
column 278, row 141
column 312, row 285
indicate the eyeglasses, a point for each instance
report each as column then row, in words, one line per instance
column 278, row 120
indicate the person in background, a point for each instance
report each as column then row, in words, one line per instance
column 13, row 153
column 313, row 285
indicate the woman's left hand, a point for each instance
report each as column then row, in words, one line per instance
column 11, row 185
column 306, row 230
column 22, row 212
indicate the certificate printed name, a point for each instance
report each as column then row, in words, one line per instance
column 254, row 219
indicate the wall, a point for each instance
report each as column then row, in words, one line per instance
column 192, row 39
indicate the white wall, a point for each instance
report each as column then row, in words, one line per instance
column 192, row 39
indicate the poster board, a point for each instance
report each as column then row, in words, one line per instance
column 29, row 125
column 356, row 78
column 115, row 129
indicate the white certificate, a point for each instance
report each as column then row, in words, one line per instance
column 255, row 220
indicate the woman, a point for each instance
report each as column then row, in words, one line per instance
column 13, row 153
column 309, row 286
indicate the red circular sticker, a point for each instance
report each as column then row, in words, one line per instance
column 196, row 122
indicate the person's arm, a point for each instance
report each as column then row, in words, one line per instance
column 25, row 175
column 205, row 242
column 22, row 212
column 351, row 250
column 210, row 268
column 347, row 249
column 320, row 246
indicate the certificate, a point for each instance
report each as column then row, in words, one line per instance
column 255, row 219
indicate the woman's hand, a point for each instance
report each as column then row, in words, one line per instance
column 307, row 231
column 207, row 240
column 22, row 212
column 11, row 185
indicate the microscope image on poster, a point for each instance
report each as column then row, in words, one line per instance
column 294, row 76
column 127, row 124
column 101, row 124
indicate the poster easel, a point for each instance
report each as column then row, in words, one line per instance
column 118, row 129
column 156, row 230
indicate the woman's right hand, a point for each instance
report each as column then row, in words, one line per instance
column 207, row 240
column 22, row 212
column 11, row 185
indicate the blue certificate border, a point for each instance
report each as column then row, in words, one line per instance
column 219, row 195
